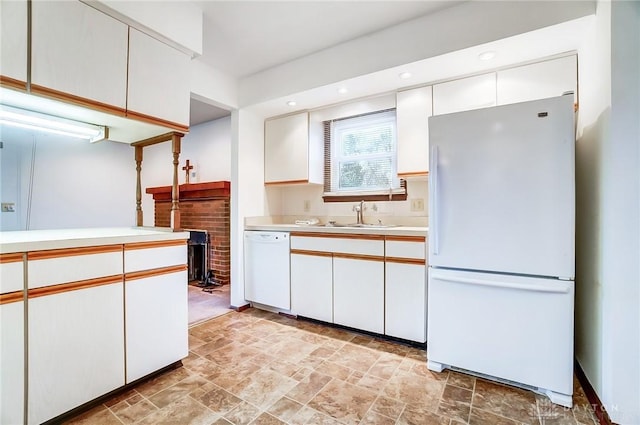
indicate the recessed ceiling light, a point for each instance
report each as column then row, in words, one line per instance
column 342, row 90
column 292, row 103
column 486, row 56
column 404, row 75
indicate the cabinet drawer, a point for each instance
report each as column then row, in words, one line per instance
column 62, row 265
column 405, row 249
column 11, row 273
column 345, row 244
column 154, row 255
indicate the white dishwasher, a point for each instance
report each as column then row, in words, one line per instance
column 266, row 268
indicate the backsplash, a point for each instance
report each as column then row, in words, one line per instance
column 297, row 202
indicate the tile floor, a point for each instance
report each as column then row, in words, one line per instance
column 260, row 368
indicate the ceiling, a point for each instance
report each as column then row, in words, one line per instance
column 242, row 38
column 245, row 37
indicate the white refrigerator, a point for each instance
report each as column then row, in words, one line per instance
column 501, row 244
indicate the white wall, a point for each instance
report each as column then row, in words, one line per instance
column 73, row 184
column 608, row 210
column 207, row 147
column 294, row 197
column 247, row 188
column 621, row 222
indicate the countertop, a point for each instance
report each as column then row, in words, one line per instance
column 390, row 231
column 38, row 240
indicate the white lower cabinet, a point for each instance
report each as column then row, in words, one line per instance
column 312, row 285
column 76, row 348
column 406, row 288
column 12, row 363
column 157, row 323
column 358, row 293
column 368, row 282
column 406, row 301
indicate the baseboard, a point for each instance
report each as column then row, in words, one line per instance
column 597, row 406
column 241, row 308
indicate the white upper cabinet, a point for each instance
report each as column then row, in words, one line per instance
column 290, row 155
column 158, row 81
column 13, row 40
column 465, row 94
column 538, row 80
column 80, row 51
column 413, row 109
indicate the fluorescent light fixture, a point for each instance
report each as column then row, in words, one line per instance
column 487, row 56
column 292, row 103
column 404, row 75
column 23, row 118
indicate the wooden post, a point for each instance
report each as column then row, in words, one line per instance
column 175, row 209
column 138, row 154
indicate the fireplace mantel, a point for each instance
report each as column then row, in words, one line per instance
column 192, row 191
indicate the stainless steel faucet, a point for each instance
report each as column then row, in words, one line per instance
column 359, row 209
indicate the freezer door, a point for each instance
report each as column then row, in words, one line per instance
column 509, row 327
column 502, row 189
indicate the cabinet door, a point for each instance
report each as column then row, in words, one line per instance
column 312, row 286
column 13, row 42
column 358, row 293
column 406, row 288
column 79, row 51
column 11, row 339
column 465, row 94
column 157, row 323
column 159, row 88
column 413, row 109
column 76, row 348
column 538, row 80
column 286, row 149
column 406, row 301
column 12, row 362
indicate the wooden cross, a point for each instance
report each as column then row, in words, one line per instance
column 186, row 169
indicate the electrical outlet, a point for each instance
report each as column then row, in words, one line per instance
column 417, row 204
column 8, row 207
column 307, row 205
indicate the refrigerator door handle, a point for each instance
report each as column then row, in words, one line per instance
column 559, row 289
column 434, row 201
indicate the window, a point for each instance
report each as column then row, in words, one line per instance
column 360, row 156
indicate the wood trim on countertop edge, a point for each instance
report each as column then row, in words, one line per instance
column 154, row 244
column 183, row 128
column 77, row 100
column 339, row 235
column 358, row 256
column 595, row 403
column 14, row 257
column 11, row 297
column 285, row 182
column 392, row 238
column 413, row 174
column 405, row 260
column 313, row 253
column 72, row 252
column 154, row 272
column 73, row 286
column 12, row 83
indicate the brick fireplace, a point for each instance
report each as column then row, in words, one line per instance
column 203, row 206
